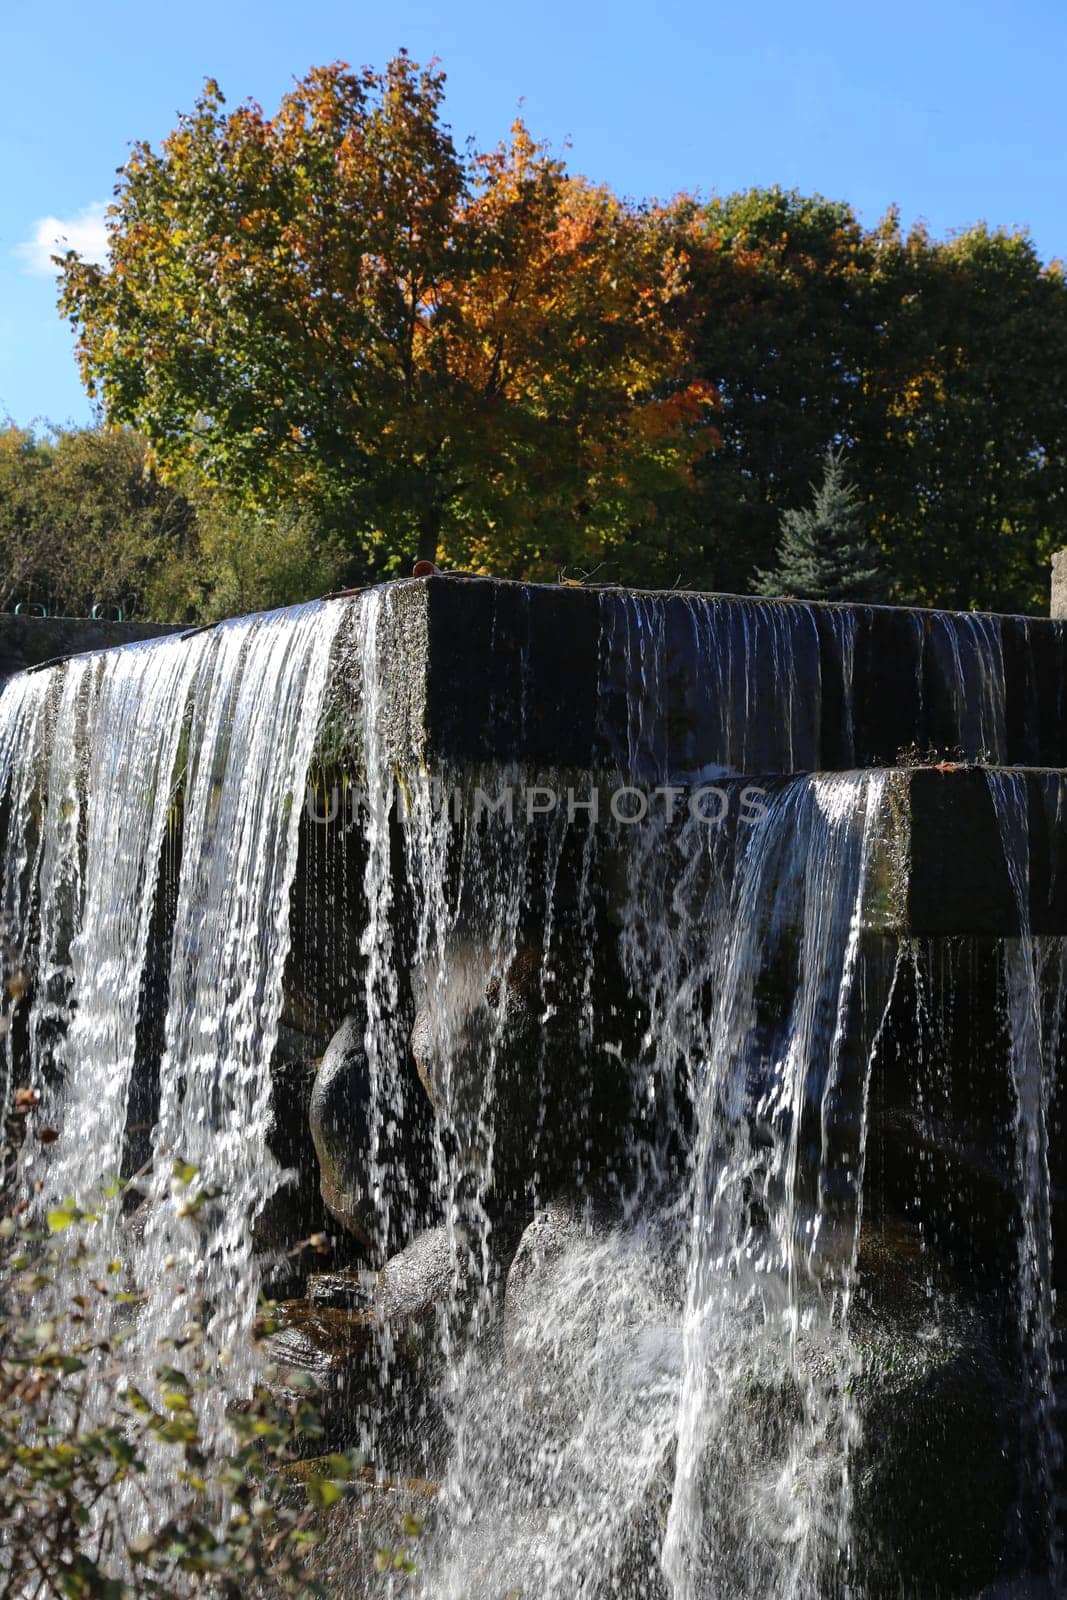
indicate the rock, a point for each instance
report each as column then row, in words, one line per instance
column 338, row 1114
column 418, row 1280
column 917, row 1403
column 339, row 1117
column 325, row 1355
column 527, row 1072
column 575, row 1418
column 464, row 1013
column 935, row 1475
column 556, row 1227
column 350, row 1290
column 295, row 1210
column 934, row 1482
column 367, row 1377
column 434, row 1274
column 589, row 1302
column 320, row 1340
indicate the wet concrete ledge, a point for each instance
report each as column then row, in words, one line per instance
column 673, row 682
column 29, row 641
column 944, row 851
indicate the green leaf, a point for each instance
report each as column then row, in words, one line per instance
column 323, row 1492
column 63, row 1216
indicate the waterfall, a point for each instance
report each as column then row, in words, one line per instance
column 776, row 1210
column 23, row 729
column 1035, row 969
column 221, row 726
column 597, row 1395
column 255, row 717
column 128, row 743
column 616, row 1062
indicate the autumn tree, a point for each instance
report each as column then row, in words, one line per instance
column 469, row 355
column 352, row 342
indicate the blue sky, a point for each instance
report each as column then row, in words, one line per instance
column 952, row 109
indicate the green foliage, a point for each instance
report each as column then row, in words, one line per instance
column 780, row 286
column 351, row 341
column 963, row 451
column 85, row 520
column 432, row 350
column 77, row 1439
column 825, row 553
column 254, row 560
column 939, row 366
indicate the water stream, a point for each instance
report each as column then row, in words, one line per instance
column 649, row 1046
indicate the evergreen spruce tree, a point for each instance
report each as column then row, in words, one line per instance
column 825, row 553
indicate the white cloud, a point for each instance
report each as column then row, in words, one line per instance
column 51, row 236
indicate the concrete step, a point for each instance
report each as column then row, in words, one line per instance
column 673, row 682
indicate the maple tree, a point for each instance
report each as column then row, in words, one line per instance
column 350, row 343
column 473, row 356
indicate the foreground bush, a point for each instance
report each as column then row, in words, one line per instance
column 79, row 1517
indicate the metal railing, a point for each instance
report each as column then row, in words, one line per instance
column 103, row 611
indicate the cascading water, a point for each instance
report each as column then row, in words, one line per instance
column 132, row 725
column 1035, row 971
column 242, row 705
column 649, row 1030
column 23, row 722
column 777, row 1174
column 604, row 1392
column 255, row 716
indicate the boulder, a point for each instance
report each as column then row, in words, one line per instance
column 915, row 1400
column 295, row 1210
column 338, row 1117
column 471, row 1010
column 438, row 1274
column 556, row 1227
column 528, row 1073
column 935, row 1473
column 417, row 1280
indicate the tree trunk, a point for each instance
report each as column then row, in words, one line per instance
column 429, row 533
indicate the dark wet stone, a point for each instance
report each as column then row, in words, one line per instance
column 529, row 1071
column 477, row 1014
column 338, row 1117
column 894, row 689
column 349, row 1290
column 418, row 1280
column 935, row 1474
column 321, row 1354
column 361, row 1372
column 295, row 1210
column 535, row 1283
column 31, row 641
column 320, row 1340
